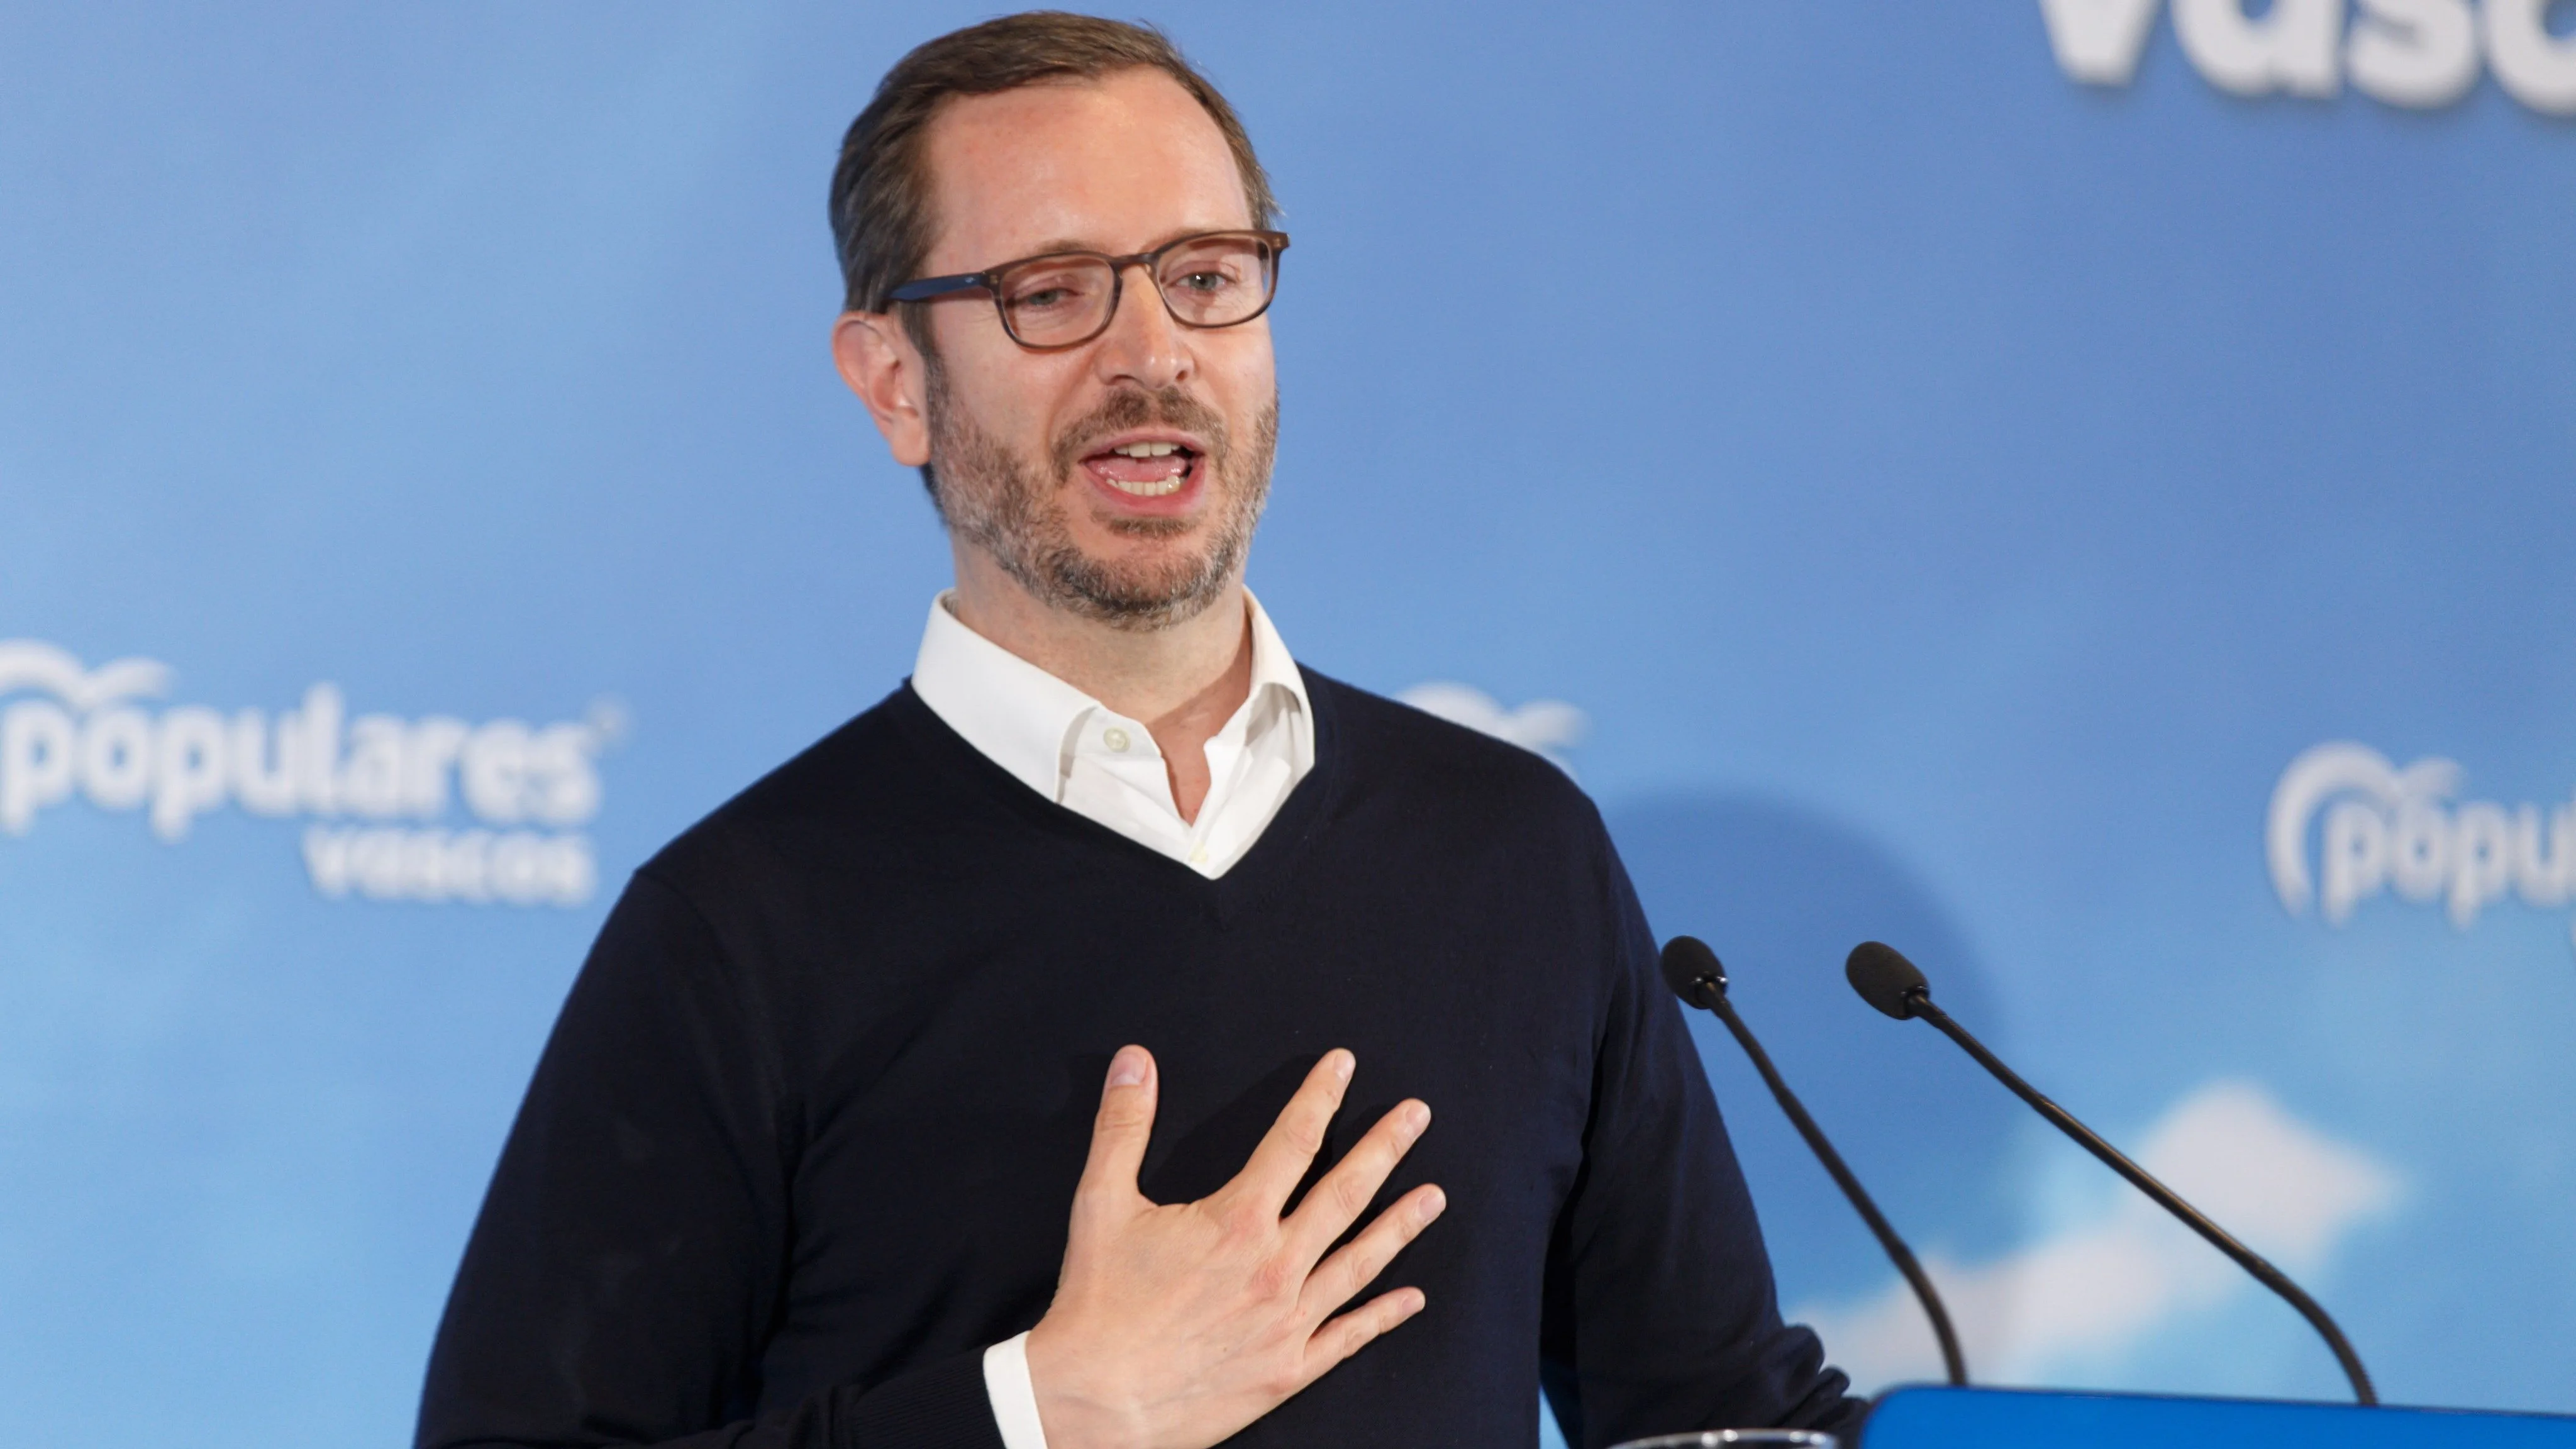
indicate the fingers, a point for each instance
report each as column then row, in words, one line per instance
column 1352, row 1331
column 1289, row 1147
column 1337, row 1202
column 1356, row 1264
column 1125, row 1123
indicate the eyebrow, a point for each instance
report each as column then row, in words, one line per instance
column 1068, row 244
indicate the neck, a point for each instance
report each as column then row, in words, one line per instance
column 1183, row 681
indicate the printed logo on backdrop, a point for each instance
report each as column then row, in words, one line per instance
column 2382, row 830
column 376, row 791
column 2421, row 54
column 1549, row 728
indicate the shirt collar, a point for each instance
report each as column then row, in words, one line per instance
column 1022, row 718
column 1274, row 670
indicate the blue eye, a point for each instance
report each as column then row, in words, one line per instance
column 1052, row 289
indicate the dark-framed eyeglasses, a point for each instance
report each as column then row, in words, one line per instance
column 1065, row 299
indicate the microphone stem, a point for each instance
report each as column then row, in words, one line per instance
column 2216, row 1236
column 1951, row 1360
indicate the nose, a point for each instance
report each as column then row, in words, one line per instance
column 1143, row 345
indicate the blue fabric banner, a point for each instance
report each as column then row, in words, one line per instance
column 2077, row 489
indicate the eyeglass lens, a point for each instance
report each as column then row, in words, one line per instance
column 1213, row 281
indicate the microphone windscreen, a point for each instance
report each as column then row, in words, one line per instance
column 1687, row 963
column 1884, row 978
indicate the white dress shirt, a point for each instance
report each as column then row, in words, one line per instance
column 1100, row 764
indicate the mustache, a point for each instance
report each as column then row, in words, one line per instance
column 1135, row 407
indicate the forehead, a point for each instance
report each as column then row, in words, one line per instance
column 1117, row 164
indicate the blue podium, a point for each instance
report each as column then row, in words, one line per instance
column 1946, row 1418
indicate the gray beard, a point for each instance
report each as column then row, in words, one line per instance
column 1003, row 504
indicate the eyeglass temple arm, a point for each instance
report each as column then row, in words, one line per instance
column 928, row 287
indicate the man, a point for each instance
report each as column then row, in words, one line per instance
column 814, row 1156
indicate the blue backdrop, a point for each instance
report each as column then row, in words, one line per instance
column 2081, row 490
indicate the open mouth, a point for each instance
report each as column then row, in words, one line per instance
column 1150, row 468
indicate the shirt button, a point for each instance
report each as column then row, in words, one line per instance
column 1198, row 853
column 1116, row 739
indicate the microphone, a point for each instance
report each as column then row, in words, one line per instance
column 1886, row 980
column 1692, row 970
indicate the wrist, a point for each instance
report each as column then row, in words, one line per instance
column 1080, row 1404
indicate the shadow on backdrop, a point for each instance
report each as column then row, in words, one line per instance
column 1783, row 893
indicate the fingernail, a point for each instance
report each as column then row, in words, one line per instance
column 1127, row 1069
column 1343, row 1062
column 1416, row 1117
column 1433, row 1203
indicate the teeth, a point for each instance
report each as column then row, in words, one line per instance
column 1148, row 450
column 1147, row 490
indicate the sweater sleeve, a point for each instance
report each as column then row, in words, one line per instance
column 632, row 1250
column 1660, row 1315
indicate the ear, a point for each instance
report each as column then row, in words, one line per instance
column 878, row 361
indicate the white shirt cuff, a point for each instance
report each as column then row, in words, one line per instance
column 1015, row 1399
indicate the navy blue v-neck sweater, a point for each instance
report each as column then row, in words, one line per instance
column 805, row 1138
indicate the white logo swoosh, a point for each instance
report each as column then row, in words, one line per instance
column 30, row 664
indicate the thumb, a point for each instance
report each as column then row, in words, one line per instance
column 1126, row 1121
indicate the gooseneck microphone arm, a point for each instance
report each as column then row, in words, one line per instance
column 1695, row 975
column 1891, row 983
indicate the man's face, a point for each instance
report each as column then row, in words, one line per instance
column 1034, row 453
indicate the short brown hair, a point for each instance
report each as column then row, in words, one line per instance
column 881, row 219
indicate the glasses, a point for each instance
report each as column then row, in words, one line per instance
column 1065, row 299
